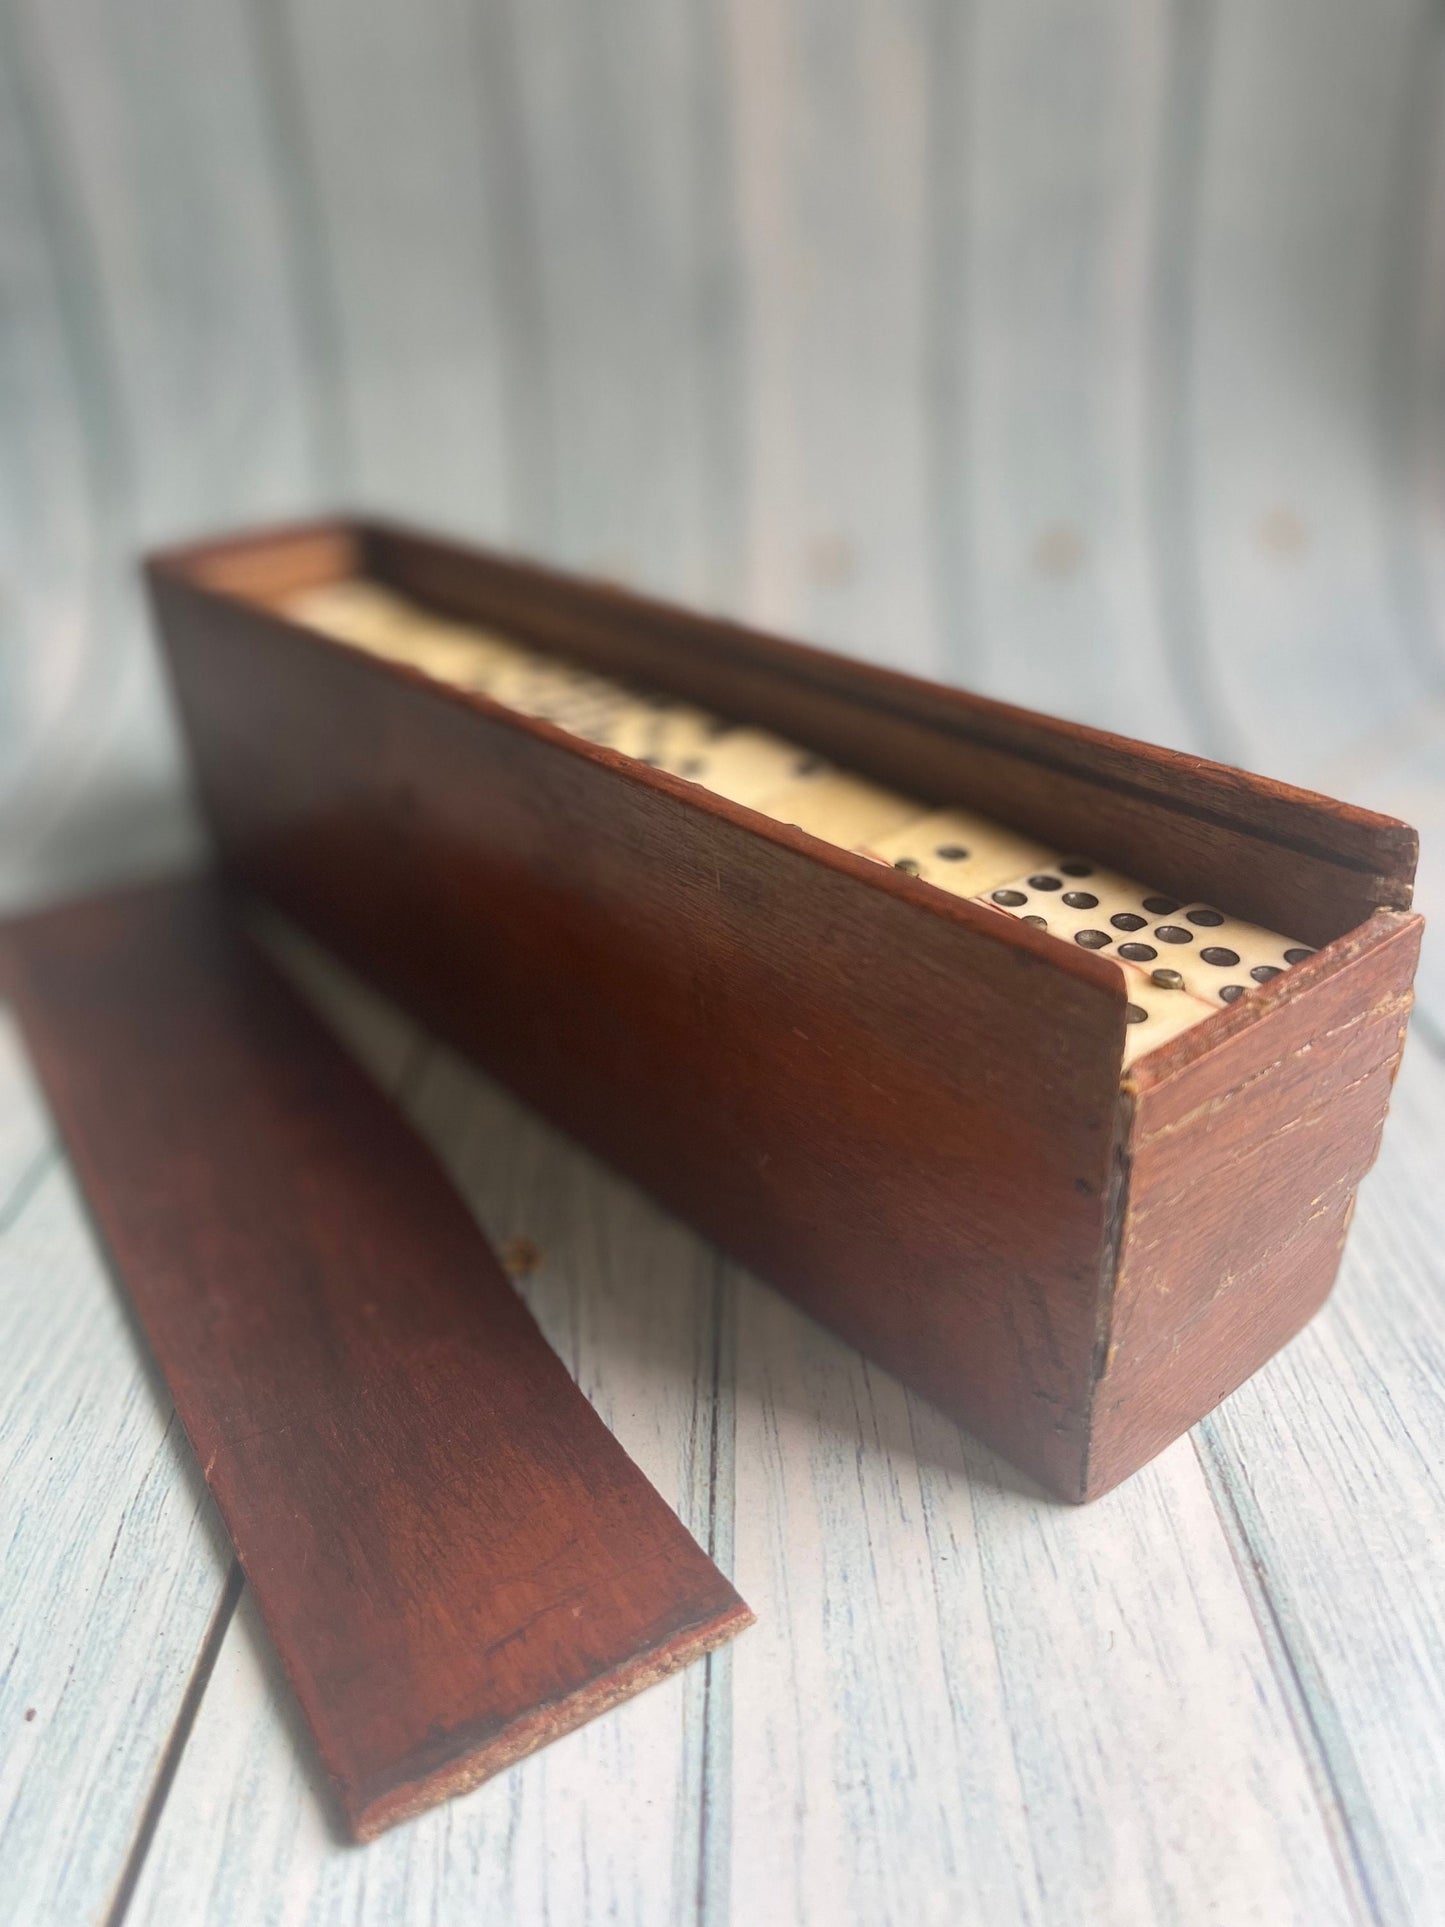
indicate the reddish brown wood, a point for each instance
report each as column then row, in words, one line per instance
column 898, row 1107
column 1239, row 1174
column 455, row 1559
column 1282, row 856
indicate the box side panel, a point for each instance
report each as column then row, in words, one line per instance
column 1293, row 861
column 891, row 1108
column 1241, row 1175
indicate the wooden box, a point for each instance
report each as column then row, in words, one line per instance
column 902, row 1108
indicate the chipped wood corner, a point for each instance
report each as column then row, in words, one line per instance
column 1287, row 1093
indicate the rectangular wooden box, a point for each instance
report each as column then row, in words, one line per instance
column 902, row 1108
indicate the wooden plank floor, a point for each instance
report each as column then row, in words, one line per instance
column 1089, row 357
column 1218, row 1694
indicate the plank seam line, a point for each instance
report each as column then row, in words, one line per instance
column 309, row 269
column 1423, row 1023
column 1170, row 455
column 25, row 1187
column 705, row 1898
column 180, row 1734
column 1345, row 1846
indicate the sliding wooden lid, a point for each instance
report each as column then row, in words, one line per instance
column 456, row 1560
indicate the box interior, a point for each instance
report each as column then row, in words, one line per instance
column 1282, row 858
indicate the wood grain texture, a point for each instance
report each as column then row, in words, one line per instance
column 1290, row 308
column 454, row 1557
column 114, row 1561
column 602, row 935
column 612, row 1817
column 1290, row 1105
column 1326, row 1471
column 1224, row 834
column 645, row 930
column 974, row 1707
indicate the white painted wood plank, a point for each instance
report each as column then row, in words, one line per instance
column 144, row 153
column 1065, row 110
column 1412, row 373
column 628, row 162
column 966, row 1704
column 845, row 319
column 606, row 1824
column 1328, row 1464
column 1401, row 771
column 63, row 478
column 113, row 1562
column 398, row 172
column 1298, row 200
column 160, row 122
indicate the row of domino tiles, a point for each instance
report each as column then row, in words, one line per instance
column 1181, row 960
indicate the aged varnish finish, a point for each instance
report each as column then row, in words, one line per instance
column 455, row 1559
column 900, row 1107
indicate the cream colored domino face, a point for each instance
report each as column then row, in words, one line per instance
column 746, row 764
column 383, row 624
column 1224, row 957
column 841, row 809
column 1154, row 1015
column 1197, row 948
column 1157, row 1010
column 957, row 851
column 661, row 730
column 354, row 611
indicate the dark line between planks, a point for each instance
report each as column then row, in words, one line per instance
column 1362, row 1874
column 88, row 353
column 1404, row 354
column 514, row 242
column 945, row 340
column 310, row 274
column 1169, row 456
column 1423, row 1024
column 176, row 1745
column 26, row 1186
column 715, row 1795
column 718, row 308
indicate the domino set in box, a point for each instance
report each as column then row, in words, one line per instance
column 1041, row 1064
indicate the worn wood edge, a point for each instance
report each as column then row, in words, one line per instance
column 371, row 1811
column 1151, row 1073
column 1010, row 933
column 1001, row 726
column 1181, row 1053
column 367, row 1809
column 892, row 688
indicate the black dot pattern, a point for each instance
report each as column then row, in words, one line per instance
column 951, row 852
column 1215, row 958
